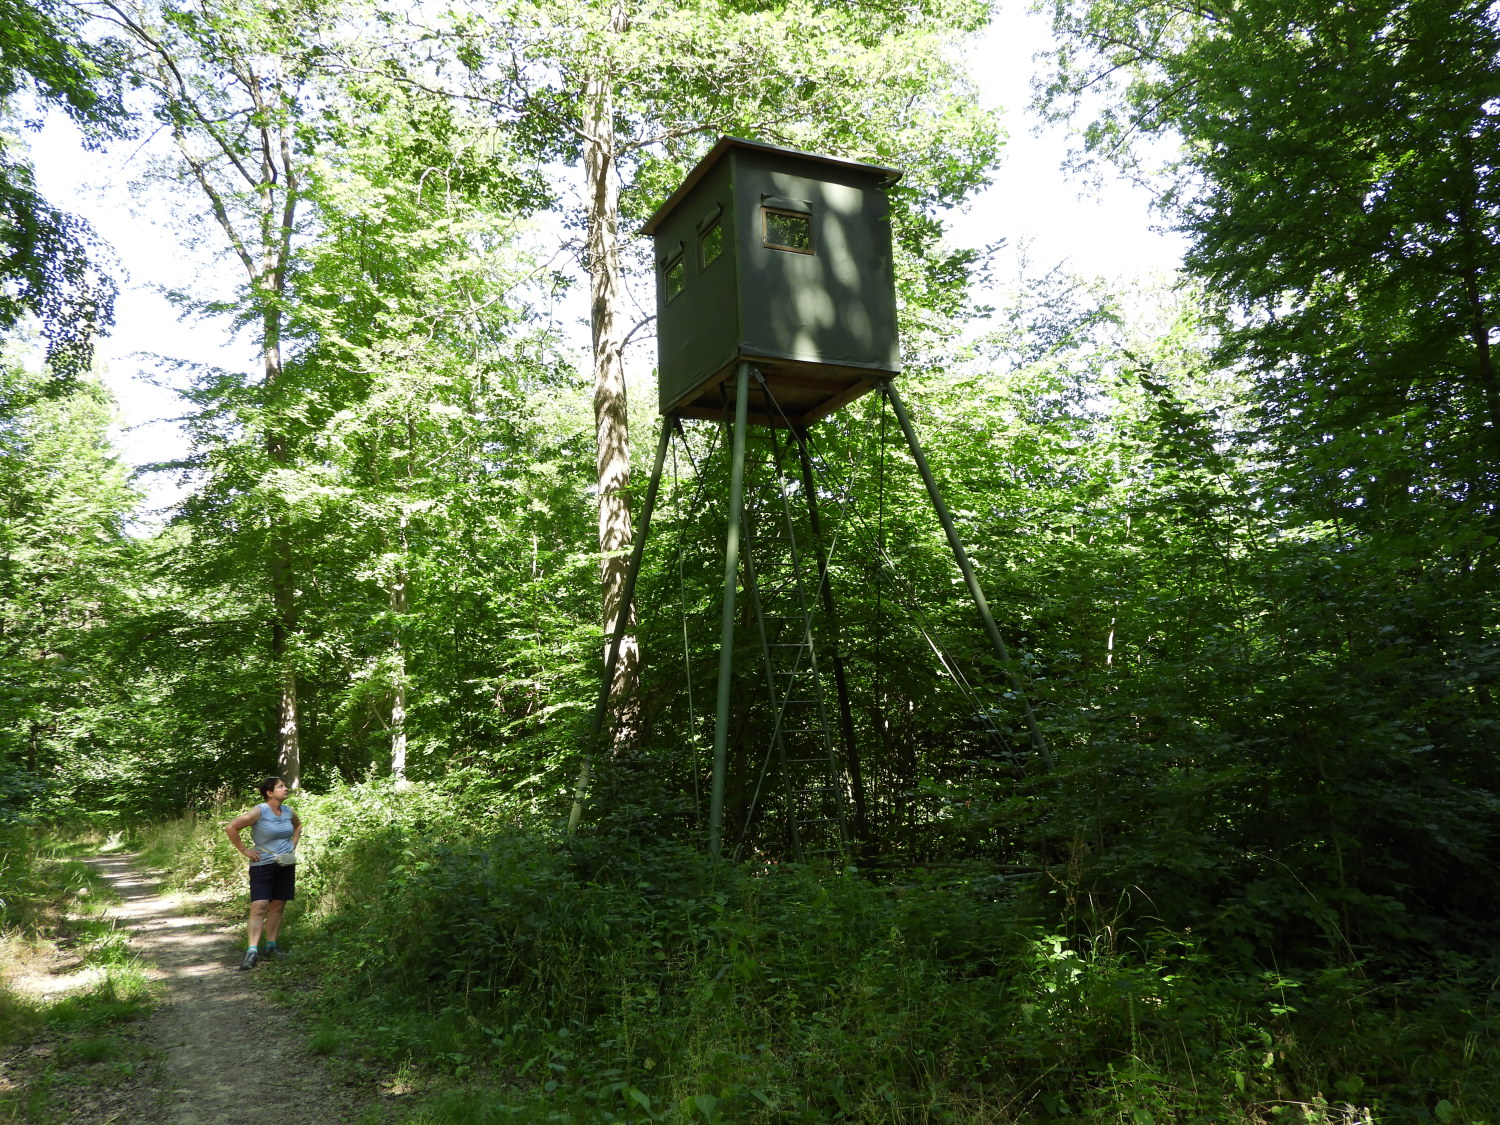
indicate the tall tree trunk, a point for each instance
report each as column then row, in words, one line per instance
column 232, row 167
column 397, row 593
column 289, row 747
column 283, row 629
column 398, row 678
column 611, row 422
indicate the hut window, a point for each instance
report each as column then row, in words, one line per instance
column 711, row 242
column 787, row 230
column 674, row 273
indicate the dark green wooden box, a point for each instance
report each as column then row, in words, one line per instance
column 782, row 258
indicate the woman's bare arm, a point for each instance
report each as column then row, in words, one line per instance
column 238, row 825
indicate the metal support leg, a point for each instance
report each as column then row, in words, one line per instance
column 726, row 627
column 961, row 556
column 627, row 596
column 778, row 709
column 840, row 680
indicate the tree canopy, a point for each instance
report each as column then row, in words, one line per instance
column 50, row 268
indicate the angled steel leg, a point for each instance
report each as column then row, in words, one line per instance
column 840, row 680
column 778, row 741
column 726, row 625
column 627, row 595
column 961, row 556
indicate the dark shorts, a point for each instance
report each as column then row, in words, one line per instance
column 273, row 882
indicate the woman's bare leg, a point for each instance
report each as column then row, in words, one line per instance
column 258, row 911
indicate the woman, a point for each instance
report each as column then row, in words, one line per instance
column 274, row 831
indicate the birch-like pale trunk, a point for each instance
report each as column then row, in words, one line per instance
column 397, row 594
column 398, row 674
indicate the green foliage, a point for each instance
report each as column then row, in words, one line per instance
column 49, row 902
column 49, row 260
column 610, row 982
column 1243, row 536
column 1328, row 749
column 1349, row 231
column 67, row 576
column 356, row 508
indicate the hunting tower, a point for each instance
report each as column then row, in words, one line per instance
column 779, row 258
column 776, row 305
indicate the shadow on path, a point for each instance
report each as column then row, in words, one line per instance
column 229, row 1056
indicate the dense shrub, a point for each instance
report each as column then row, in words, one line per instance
column 603, row 981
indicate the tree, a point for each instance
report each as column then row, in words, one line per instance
column 410, row 320
column 1336, row 179
column 1336, row 175
column 226, row 82
column 48, row 267
column 67, row 572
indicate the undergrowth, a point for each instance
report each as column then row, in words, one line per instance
column 516, row 976
column 74, row 1034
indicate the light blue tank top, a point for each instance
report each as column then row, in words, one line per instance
column 272, row 834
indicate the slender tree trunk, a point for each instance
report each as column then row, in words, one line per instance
column 283, row 628
column 398, row 678
column 283, row 581
column 607, row 313
column 397, row 591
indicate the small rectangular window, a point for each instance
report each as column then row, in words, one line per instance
column 711, row 243
column 675, row 274
column 787, row 230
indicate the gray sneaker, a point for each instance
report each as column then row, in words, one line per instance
column 275, row 953
column 251, row 957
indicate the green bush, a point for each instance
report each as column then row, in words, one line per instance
column 604, row 980
column 26, row 891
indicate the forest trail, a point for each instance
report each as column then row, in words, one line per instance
column 227, row 1053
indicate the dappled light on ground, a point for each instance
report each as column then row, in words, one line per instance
column 221, row 1040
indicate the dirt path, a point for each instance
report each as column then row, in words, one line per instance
column 226, row 1052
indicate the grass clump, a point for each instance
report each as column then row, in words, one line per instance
column 92, row 1049
column 327, row 1038
column 19, row 1019
column 122, row 996
column 53, row 914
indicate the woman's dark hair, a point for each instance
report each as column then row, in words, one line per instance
column 267, row 784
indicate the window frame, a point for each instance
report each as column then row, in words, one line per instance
column 677, row 259
column 714, row 221
column 767, row 209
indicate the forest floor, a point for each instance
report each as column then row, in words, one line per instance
column 215, row 1050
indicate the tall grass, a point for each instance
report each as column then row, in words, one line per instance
column 547, row 979
column 49, row 899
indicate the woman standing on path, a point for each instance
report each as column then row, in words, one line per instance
column 274, row 830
